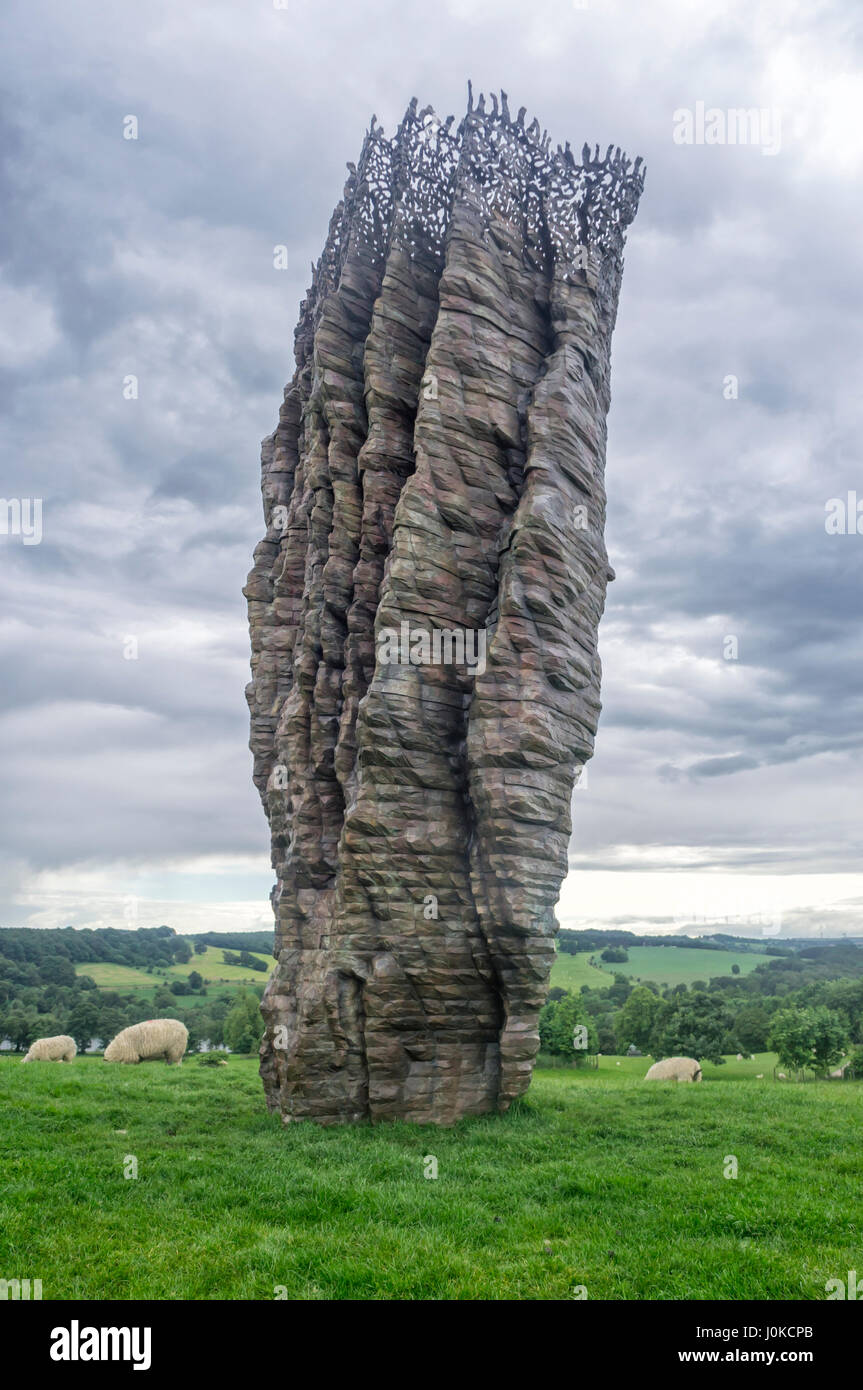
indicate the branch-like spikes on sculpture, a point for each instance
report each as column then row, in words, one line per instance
column 424, row 612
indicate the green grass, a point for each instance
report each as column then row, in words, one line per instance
column 126, row 978
column 677, row 965
column 761, row 1065
column 594, row 1179
column 571, row 972
column 123, row 978
column 210, row 964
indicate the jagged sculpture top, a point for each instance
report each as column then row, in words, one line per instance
column 424, row 609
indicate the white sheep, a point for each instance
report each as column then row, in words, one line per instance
column 142, row 1042
column 58, row 1049
column 675, row 1069
column 781, row 1076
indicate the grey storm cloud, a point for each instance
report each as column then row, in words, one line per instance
column 153, row 258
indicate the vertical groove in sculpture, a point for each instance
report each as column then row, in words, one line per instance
column 438, row 466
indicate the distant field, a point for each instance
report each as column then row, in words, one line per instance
column 671, row 965
column 118, row 977
column 680, row 965
column 571, row 972
column 214, row 967
column 124, row 978
column 594, row 1180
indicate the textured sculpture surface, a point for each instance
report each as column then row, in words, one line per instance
column 424, row 611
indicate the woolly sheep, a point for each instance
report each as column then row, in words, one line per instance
column 158, row 1037
column 675, row 1069
column 58, row 1049
column 760, row 1076
column 781, row 1076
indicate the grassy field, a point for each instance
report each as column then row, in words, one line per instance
column 209, row 964
column 594, row 1179
column 673, row 965
column 758, row 1067
column 571, row 972
column 670, row 965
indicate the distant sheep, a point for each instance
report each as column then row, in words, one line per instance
column 781, row 1076
column 760, row 1076
column 675, row 1069
column 143, row 1042
column 59, row 1049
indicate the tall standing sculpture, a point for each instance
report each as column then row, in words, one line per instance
column 424, row 611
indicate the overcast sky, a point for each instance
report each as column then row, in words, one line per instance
column 722, row 789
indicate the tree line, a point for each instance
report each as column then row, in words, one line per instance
column 807, row 1007
column 42, row 994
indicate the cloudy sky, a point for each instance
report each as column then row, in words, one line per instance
column 726, row 788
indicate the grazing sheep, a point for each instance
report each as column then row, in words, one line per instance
column 675, row 1069
column 59, row 1049
column 740, row 1056
column 760, row 1076
column 143, row 1042
column 780, row 1075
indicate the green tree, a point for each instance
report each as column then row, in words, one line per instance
column 634, row 1023
column 606, row 1039
column 792, row 1036
column 48, row 1026
column 830, row 1039
column 751, row 1027
column 243, row 1027
column 196, row 980
column 855, row 1062
column 691, row 1025
column 83, row 1022
column 21, row 1026
column 845, row 996
column 212, row 1027
column 58, row 972
column 566, row 1029
column 620, row 991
